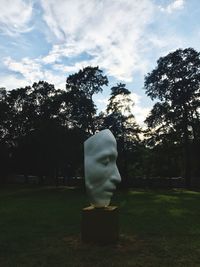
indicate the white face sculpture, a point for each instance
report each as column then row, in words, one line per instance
column 101, row 173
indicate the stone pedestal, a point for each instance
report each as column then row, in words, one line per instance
column 100, row 225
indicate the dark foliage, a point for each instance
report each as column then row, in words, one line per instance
column 42, row 129
column 174, row 120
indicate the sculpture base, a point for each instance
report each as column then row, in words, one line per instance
column 100, row 225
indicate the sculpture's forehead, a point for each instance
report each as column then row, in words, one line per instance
column 100, row 141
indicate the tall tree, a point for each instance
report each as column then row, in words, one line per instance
column 26, row 108
column 119, row 115
column 120, row 120
column 4, row 108
column 175, row 82
column 76, row 110
column 80, row 87
column 15, row 121
column 90, row 80
column 24, row 112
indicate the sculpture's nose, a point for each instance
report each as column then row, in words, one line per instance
column 116, row 178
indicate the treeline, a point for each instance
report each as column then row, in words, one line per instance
column 42, row 129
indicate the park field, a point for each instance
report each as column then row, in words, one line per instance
column 40, row 226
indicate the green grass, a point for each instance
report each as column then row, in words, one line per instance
column 41, row 227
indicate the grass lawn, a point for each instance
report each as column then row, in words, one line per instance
column 41, row 227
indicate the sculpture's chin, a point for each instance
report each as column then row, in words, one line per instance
column 101, row 200
column 100, row 204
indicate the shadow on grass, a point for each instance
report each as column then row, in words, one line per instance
column 41, row 227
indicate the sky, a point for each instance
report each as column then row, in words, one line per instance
column 51, row 39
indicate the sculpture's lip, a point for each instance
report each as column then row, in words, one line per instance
column 111, row 189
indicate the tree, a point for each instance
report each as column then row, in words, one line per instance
column 27, row 114
column 76, row 110
column 90, row 80
column 4, row 108
column 4, row 149
column 120, row 120
column 119, row 112
column 42, row 129
column 25, row 108
column 80, row 88
column 175, row 82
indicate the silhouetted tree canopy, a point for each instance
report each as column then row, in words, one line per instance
column 90, row 80
column 176, row 83
column 80, row 88
column 42, row 129
column 120, row 120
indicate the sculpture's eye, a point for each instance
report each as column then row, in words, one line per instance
column 105, row 161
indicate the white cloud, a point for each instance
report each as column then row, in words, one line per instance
column 139, row 111
column 174, row 6
column 58, row 80
column 12, row 82
column 114, row 34
column 72, row 69
column 111, row 32
column 15, row 16
column 103, row 101
column 59, row 51
column 165, row 44
column 32, row 71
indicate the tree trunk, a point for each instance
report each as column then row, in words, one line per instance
column 187, row 158
column 187, row 165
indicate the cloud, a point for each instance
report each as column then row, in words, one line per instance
column 29, row 69
column 103, row 101
column 139, row 111
column 12, row 82
column 123, row 37
column 111, row 32
column 57, row 52
column 72, row 69
column 117, row 35
column 165, row 44
column 15, row 16
column 174, row 6
column 32, row 71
